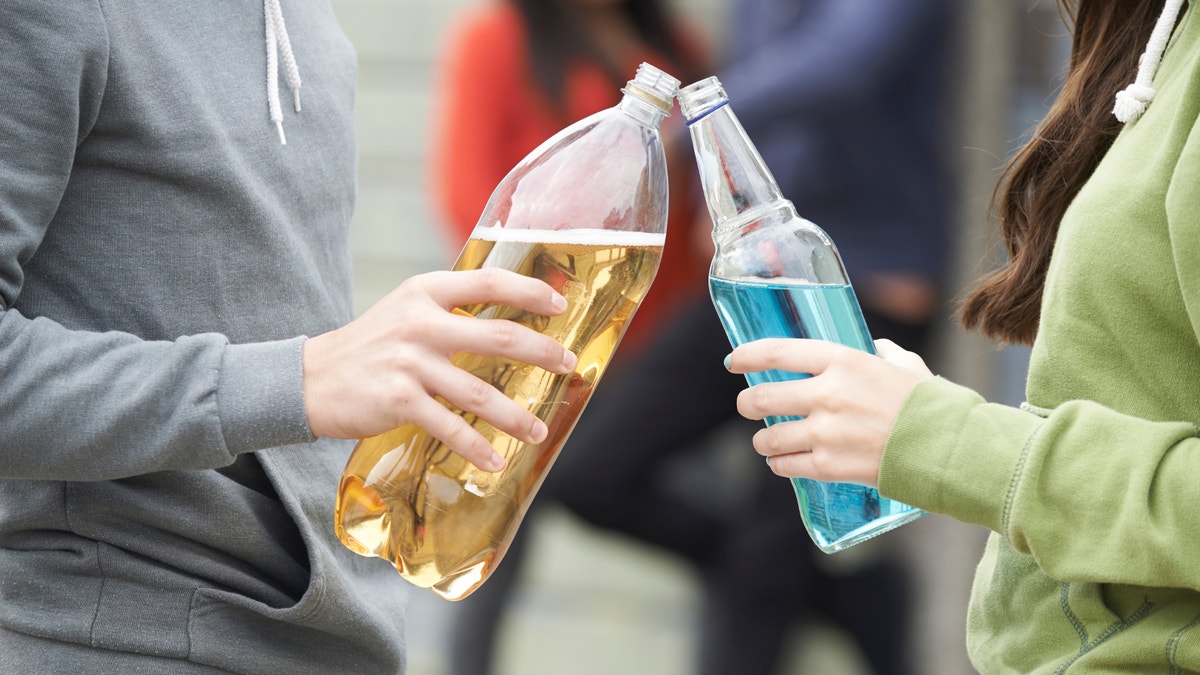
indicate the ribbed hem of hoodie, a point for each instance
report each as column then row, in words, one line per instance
column 261, row 396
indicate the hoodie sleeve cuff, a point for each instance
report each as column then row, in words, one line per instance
column 950, row 452
column 261, row 396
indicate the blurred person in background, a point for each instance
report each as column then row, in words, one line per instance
column 847, row 101
column 514, row 73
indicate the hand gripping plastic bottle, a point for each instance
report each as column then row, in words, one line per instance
column 586, row 212
column 775, row 274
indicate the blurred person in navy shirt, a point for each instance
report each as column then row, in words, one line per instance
column 848, row 103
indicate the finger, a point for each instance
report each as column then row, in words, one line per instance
column 477, row 397
column 893, row 353
column 493, row 285
column 507, row 339
column 797, row 355
column 784, row 438
column 456, row 433
column 789, row 452
column 888, row 350
column 798, row 450
column 783, row 399
column 795, row 465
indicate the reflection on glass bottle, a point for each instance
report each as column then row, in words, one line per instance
column 775, row 274
column 586, row 213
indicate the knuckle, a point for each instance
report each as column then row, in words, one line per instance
column 841, row 358
column 492, row 280
column 465, row 443
column 415, row 285
column 829, row 402
column 415, row 328
column 459, row 435
column 506, row 335
column 404, row 393
column 822, row 464
column 768, row 442
column 817, row 430
column 406, row 364
column 478, row 393
column 758, row 398
column 774, row 354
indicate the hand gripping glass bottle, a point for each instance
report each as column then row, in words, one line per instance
column 586, row 212
column 775, row 274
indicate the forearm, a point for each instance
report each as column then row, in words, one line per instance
column 1036, row 480
column 84, row 406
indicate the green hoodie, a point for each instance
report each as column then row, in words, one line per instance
column 1092, row 489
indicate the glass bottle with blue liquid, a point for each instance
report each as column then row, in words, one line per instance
column 775, row 274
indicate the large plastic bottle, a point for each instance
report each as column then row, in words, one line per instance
column 775, row 274
column 586, row 212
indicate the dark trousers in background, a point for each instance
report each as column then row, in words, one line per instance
column 637, row 464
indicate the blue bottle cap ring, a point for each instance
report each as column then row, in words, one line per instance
column 705, row 113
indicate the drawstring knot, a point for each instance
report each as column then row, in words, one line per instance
column 279, row 47
column 1134, row 99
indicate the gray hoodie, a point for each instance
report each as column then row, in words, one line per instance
column 163, row 504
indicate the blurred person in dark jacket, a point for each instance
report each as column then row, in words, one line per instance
column 847, row 101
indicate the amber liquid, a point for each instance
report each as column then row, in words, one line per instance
column 443, row 523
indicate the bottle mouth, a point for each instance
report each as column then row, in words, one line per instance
column 700, row 99
column 654, row 86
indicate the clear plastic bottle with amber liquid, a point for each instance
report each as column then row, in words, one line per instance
column 775, row 274
column 585, row 212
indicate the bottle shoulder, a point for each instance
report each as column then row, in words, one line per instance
column 778, row 247
column 773, row 222
column 602, row 172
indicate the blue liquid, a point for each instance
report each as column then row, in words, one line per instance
column 837, row 515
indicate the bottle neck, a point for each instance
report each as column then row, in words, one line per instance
column 648, row 96
column 645, row 112
column 738, row 186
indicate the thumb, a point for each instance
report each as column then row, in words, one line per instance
column 893, row 353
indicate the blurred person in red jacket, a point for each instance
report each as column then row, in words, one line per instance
column 514, row 73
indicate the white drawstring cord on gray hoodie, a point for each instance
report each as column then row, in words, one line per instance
column 1133, row 100
column 279, row 46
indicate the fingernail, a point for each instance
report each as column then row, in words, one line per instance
column 495, row 462
column 727, row 359
column 539, row 432
column 558, row 302
column 569, row 360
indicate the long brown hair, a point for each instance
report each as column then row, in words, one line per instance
column 1040, row 181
